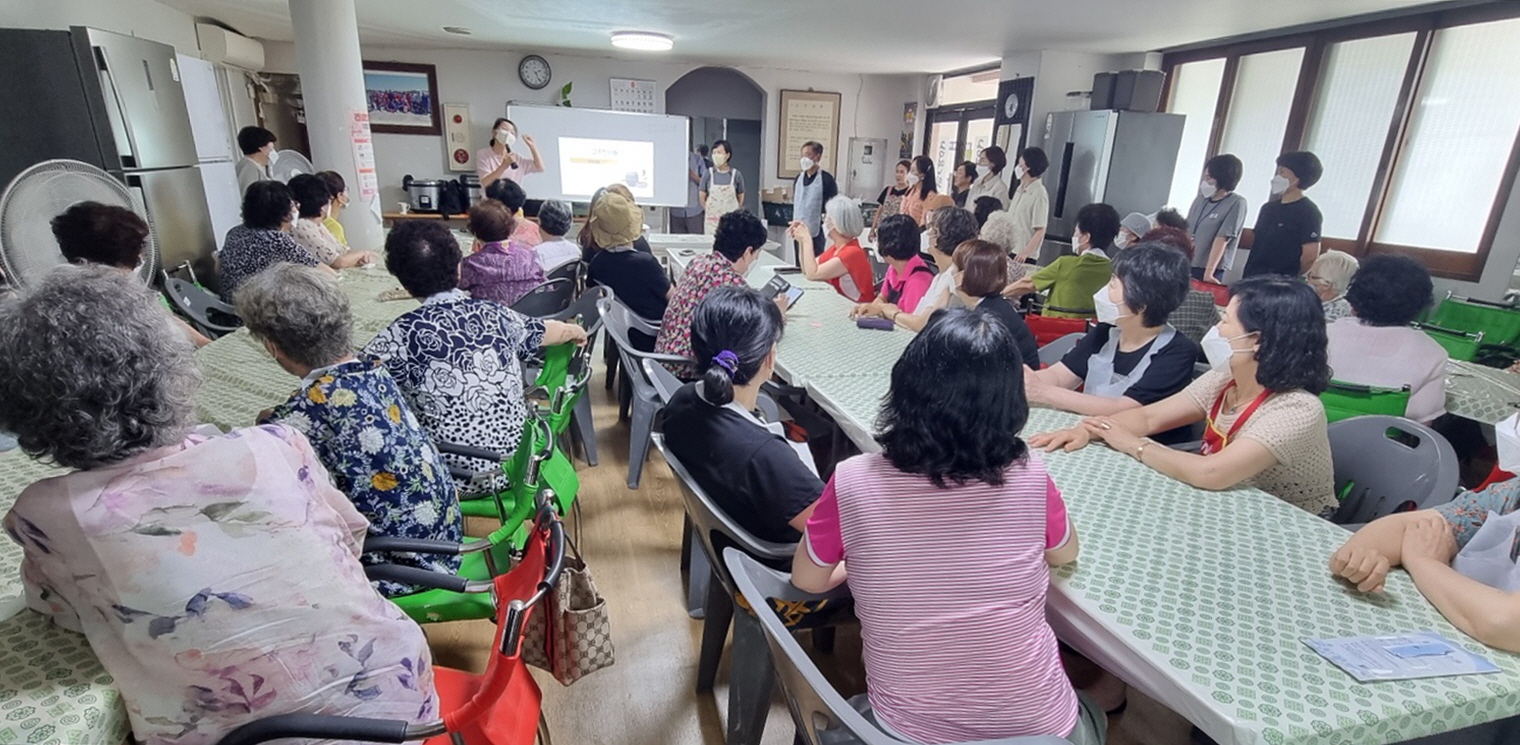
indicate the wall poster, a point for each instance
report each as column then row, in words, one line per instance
column 807, row 115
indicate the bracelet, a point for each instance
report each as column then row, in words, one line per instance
column 894, row 316
column 1140, row 451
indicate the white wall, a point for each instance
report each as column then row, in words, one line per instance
column 871, row 105
column 142, row 18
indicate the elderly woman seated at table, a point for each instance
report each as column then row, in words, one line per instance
column 1070, row 281
column 216, row 576
column 1376, row 346
column 980, row 274
column 844, row 264
column 1264, row 424
column 949, row 227
column 950, row 436
column 263, row 239
column 1133, row 357
column 908, row 277
column 1330, row 276
column 314, row 201
column 354, row 416
column 765, row 482
column 736, row 246
column 499, row 268
column 458, row 360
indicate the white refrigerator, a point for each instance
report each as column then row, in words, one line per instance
column 215, row 144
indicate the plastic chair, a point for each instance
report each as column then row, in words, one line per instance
column 1047, row 330
column 503, row 706
column 1386, row 464
column 570, row 270
column 585, row 309
column 1052, row 353
column 750, row 679
column 206, row 311
column 1499, row 323
column 1221, row 293
column 1344, row 400
column 809, row 695
column 665, row 382
column 547, row 299
column 644, row 401
column 1459, row 345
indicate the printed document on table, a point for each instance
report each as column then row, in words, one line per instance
column 1421, row 654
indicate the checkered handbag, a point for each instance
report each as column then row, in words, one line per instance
column 571, row 635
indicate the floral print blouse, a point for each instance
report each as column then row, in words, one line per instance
column 1467, row 513
column 248, row 251
column 314, row 236
column 218, row 581
column 706, row 273
column 502, row 271
column 376, row 452
column 458, row 361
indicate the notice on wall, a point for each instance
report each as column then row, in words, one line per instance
column 807, row 116
column 363, row 143
column 456, row 137
column 634, row 95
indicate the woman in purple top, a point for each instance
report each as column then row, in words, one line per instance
column 499, row 269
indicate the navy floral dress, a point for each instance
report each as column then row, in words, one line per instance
column 459, row 361
column 378, row 454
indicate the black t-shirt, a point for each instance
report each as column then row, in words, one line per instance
column 1171, row 370
column 1280, row 234
column 640, row 244
column 893, row 191
column 638, row 281
column 999, row 307
column 748, row 471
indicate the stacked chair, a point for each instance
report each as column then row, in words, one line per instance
column 1344, row 400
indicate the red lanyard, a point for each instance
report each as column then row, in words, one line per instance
column 1214, row 440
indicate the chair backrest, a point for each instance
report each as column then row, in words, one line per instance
column 1047, row 329
column 210, row 315
column 1499, row 323
column 715, row 529
column 1053, row 352
column 665, row 383
column 1344, row 400
column 814, row 702
column 1459, row 345
column 1387, row 464
column 619, row 320
column 585, row 308
column 570, row 270
column 546, row 299
column 1221, row 293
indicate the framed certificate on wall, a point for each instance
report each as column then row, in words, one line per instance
column 807, row 116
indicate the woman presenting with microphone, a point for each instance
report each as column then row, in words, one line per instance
column 498, row 161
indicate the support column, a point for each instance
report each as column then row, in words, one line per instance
column 332, row 86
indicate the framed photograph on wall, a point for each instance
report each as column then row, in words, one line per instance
column 403, row 98
column 807, row 115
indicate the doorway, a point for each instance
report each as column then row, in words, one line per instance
column 723, row 103
column 955, row 134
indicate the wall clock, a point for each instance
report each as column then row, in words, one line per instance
column 534, row 71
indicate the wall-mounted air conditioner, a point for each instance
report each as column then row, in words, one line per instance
column 223, row 47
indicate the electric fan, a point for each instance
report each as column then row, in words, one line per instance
column 28, row 251
column 288, row 164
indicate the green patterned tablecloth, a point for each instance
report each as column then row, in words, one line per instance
column 52, row 689
column 1483, row 394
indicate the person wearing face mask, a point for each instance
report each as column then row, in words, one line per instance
column 1330, row 276
column 908, row 277
column 990, row 163
column 1287, row 228
column 499, row 160
column 314, row 200
column 844, row 265
column 889, row 202
column 949, row 227
column 735, row 248
column 1131, row 228
column 1264, row 424
column 722, row 189
column 922, row 185
column 263, row 239
column 1216, row 218
column 1029, row 203
column 1070, row 281
column 812, row 190
column 257, row 145
column 1133, row 357
column 960, row 182
column 981, row 271
column 689, row 219
column 338, row 188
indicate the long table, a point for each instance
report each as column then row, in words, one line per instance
column 1199, row 599
column 1485, row 395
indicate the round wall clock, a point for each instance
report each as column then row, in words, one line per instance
column 534, row 71
column 1011, row 106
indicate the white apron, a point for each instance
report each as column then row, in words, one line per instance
column 1489, row 556
column 807, row 203
column 1101, row 379
column 721, row 200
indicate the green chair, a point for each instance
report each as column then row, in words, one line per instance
column 1499, row 323
column 1459, row 345
column 1344, row 400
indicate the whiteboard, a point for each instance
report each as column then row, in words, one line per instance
column 586, row 149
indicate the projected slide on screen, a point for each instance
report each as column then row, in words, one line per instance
column 586, row 165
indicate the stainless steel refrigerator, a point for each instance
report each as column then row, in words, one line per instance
column 1121, row 158
column 115, row 102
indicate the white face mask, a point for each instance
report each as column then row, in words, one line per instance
column 806, row 163
column 295, row 214
column 1206, row 189
column 1107, row 309
column 506, row 137
column 1121, row 240
column 1078, row 239
column 1218, row 349
column 1018, row 171
column 1279, row 185
column 912, row 179
column 923, row 241
column 720, row 158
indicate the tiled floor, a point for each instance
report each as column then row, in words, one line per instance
column 631, row 540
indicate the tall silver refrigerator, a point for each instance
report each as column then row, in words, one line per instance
column 1121, row 158
column 115, row 102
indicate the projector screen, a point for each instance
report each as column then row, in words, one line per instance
column 586, row 149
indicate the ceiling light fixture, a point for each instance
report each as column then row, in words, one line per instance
column 461, row 30
column 644, row 41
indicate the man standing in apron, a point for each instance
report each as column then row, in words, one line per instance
column 814, row 188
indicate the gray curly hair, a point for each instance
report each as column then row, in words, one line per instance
column 92, row 370
column 301, row 311
column 999, row 229
column 952, row 227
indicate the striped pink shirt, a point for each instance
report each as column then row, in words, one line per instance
column 950, row 589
